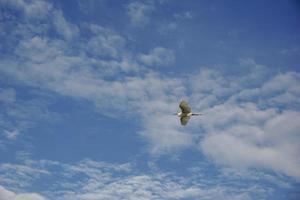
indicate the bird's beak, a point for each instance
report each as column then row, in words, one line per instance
column 197, row 114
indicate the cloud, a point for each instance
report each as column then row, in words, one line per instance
column 139, row 12
column 18, row 114
column 11, row 135
column 88, row 179
column 34, row 49
column 168, row 27
column 158, row 56
column 31, row 9
column 279, row 90
column 144, row 94
column 249, row 137
column 164, row 134
column 144, row 187
column 184, row 15
column 245, row 112
column 239, row 116
column 9, row 195
column 20, row 175
column 105, row 42
column 63, row 27
column 290, row 51
column 35, row 19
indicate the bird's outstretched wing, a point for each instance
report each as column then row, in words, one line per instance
column 184, row 120
column 185, row 108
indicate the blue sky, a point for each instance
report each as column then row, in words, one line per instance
column 88, row 89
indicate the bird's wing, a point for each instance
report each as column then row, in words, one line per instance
column 185, row 108
column 184, row 120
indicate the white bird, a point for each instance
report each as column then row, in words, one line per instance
column 185, row 113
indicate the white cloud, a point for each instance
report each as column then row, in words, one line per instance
column 157, row 95
column 290, row 51
column 12, row 135
column 164, row 133
column 9, row 195
column 171, row 26
column 212, row 82
column 281, row 89
column 254, row 138
column 38, row 11
column 39, row 50
column 139, row 12
column 20, row 175
column 18, row 114
column 168, row 27
column 63, row 27
column 158, row 56
column 241, row 111
column 147, row 187
column 105, row 42
column 6, row 194
column 31, row 9
column 184, row 15
column 101, row 180
column 237, row 122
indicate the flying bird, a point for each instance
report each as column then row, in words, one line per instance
column 185, row 113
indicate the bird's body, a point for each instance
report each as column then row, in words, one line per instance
column 185, row 113
column 181, row 114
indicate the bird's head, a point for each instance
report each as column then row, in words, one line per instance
column 178, row 114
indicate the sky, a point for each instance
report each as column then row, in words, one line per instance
column 88, row 89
